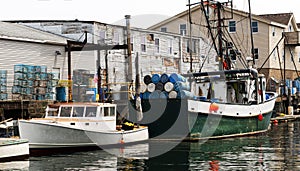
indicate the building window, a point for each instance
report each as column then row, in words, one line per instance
column 116, row 38
column 187, row 45
column 170, row 46
column 273, row 31
column 232, row 26
column 143, row 44
column 131, row 42
column 254, row 26
column 290, row 28
column 156, row 41
column 163, row 29
column 194, row 46
column 182, row 29
column 255, row 53
column 275, row 55
column 102, row 36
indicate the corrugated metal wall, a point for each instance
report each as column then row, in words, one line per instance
column 16, row 52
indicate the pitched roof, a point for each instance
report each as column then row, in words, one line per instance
column 282, row 18
column 23, row 33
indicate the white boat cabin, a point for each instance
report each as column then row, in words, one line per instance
column 231, row 87
column 100, row 116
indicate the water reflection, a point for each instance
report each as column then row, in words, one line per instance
column 278, row 149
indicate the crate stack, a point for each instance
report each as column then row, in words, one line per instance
column 81, row 81
column 22, row 84
column 32, row 83
column 3, row 84
column 51, row 85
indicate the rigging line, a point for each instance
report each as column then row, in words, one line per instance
column 242, row 60
column 279, row 62
column 202, row 65
column 208, row 24
column 283, row 37
column 81, row 36
column 292, row 57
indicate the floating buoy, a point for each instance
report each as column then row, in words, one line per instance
column 213, row 107
column 275, row 122
column 260, row 117
column 122, row 141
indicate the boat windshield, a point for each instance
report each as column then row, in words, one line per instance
column 78, row 111
column 90, row 111
column 65, row 111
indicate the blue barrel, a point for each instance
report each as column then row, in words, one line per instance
column 179, row 85
column 146, row 95
column 61, row 94
column 155, row 94
column 184, row 94
column 176, row 77
column 164, row 78
column 147, row 79
column 155, row 78
column 163, row 95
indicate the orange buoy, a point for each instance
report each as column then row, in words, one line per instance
column 213, row 107
column 260, row 117
column 122, row 141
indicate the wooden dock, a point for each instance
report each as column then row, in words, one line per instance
column 285, row 118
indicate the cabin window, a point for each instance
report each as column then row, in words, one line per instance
column 90, row 111
column 254, row 26
column 78, row 111
column 106, row 111
column 109, row 111
column 65, row 111
column 52, row 112
column 232, row 26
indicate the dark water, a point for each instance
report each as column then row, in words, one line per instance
column 278, row 149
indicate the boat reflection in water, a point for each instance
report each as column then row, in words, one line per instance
column 15, row 165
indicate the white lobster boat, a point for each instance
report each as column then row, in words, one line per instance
column 78, row 125
column 12, row 149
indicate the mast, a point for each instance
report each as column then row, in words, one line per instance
column 190, row 41
column 220, row 33
column 251, row 34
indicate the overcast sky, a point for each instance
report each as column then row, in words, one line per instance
column 109, row 11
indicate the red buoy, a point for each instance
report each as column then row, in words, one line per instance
column 260, row 117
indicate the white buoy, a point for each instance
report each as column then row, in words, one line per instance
column 168, row 86
column 143, row 88
column 173, row 95
column 151, row 87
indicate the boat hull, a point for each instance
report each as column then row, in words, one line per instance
column 216, row 126
column 13, row 149
column 50, row 135
column 109, row 138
